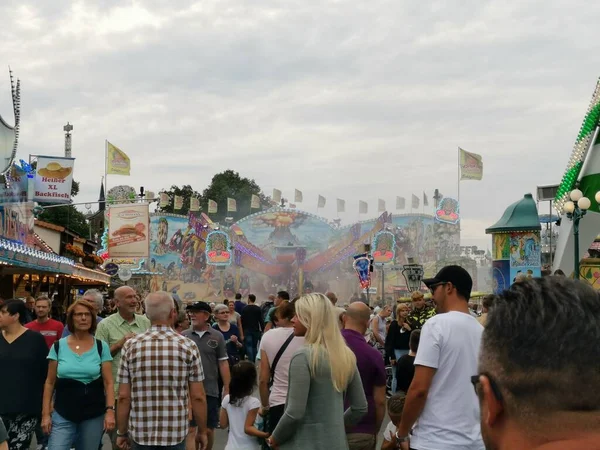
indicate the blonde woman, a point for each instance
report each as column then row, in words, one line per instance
column 397, row 339
column 320, row 374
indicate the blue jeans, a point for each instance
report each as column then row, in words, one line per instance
column 251, row 339
column 66, row 434
column 136, row 446
column 398, row 354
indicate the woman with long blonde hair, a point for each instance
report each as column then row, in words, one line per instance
column 320, row 374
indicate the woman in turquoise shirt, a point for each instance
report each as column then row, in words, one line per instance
column 80, row 374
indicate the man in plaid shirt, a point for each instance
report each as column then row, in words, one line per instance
column 159, row 372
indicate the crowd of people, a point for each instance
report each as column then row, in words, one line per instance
column 304, row 373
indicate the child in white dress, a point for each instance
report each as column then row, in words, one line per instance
column 239, row 409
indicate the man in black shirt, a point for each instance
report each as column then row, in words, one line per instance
column 253, row 326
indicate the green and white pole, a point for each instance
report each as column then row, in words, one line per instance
column 578, row 155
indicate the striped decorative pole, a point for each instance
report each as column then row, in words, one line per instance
column 569, row 179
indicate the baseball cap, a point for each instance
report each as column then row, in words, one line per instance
column 199, row 306
column 456, row 275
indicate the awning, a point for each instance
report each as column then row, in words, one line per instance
column 20, row 255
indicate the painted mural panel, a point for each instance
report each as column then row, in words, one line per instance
column 525, row 255
column 501, row 275
column 501, row 244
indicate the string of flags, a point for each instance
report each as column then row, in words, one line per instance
column 255, row 203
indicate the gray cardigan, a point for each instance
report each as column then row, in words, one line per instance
column 314, row 416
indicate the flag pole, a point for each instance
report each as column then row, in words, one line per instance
column 458, row 189
column 105, row 165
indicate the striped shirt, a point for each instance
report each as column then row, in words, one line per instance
column 158, row 365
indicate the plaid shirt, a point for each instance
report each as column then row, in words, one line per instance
column 158, row 365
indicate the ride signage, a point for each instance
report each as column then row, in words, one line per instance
column 53, row 179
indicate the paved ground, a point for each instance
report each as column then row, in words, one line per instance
column 220, row 439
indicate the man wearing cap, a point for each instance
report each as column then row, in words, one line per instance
column 420, row 313
column 213, row 353
column 441, row 403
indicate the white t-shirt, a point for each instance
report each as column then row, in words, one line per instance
column 389, row 432
column 450, row 420
column 237, row 438
column 271, row 342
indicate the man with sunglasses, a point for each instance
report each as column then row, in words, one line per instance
column 539, row 367
column 440, row 403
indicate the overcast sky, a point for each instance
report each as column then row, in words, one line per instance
column 347, row 99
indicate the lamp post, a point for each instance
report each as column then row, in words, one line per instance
column 576, row 208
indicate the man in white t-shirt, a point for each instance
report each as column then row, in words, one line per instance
column 441, row 408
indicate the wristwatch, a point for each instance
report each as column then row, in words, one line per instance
column 122, row 434
column 402, row 439
column 110, row 407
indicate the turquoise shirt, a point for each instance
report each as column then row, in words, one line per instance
column 85, row 367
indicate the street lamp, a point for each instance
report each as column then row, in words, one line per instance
column 575, row 209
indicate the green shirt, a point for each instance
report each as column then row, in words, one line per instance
column 114, row 328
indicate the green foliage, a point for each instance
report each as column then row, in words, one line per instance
column 186, row 192
column 227, row 184
column 67, row 216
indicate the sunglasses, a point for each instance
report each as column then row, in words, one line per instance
column 433, row 287
column 475, row 380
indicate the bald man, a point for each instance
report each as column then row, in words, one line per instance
column 363, row 436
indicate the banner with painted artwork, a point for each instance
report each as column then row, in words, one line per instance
column 178, row 203
column 194, row 204
column 117, row 161
column 53, row 179
column 128, row 231
column 255, row 202
column 471, row 165
column 231, row 205
column 525, row 255
column 17, row 186
column 164, row 200
column 217, row 249
column 212, row 207
column 384, row 247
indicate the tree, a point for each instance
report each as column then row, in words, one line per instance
column 67, row 216
column 186, row 192
column 229, row 184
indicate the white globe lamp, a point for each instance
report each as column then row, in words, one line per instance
column 575, row 195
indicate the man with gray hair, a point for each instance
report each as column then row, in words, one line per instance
column 160, row 372
column 95, row 297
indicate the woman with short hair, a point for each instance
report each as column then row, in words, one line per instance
column 321, row 374
column 80, row 380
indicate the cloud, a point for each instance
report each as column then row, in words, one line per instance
column 354, row 100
